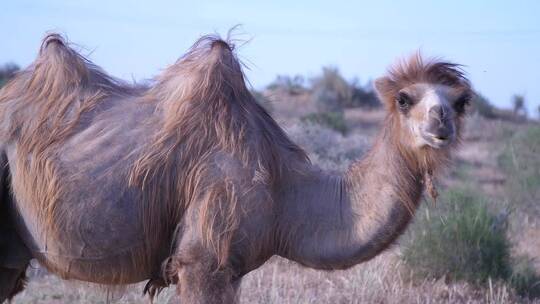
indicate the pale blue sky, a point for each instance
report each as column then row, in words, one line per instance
column 498, row 41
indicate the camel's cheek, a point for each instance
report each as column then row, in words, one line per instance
column 414, row 122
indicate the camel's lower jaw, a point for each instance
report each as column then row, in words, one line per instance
column 439, row 144
column 436, row 142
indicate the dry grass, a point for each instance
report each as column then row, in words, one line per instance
column 382, row 280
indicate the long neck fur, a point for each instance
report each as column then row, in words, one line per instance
column 337, row 221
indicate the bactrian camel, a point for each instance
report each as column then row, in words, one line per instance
column 189, row 181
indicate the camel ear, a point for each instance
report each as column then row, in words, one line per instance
column 384, row 88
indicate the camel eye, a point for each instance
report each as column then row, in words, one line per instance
column 461, row 103
column 404, row 101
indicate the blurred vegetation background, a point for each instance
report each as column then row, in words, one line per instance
column 7, row 71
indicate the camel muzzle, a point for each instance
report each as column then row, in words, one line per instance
column 439, row 130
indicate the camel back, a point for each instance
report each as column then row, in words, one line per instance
column 202, row 107
column 207, row 108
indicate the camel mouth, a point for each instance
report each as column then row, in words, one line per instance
column 437, row 141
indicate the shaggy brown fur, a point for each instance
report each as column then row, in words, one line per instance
column 207, row 108
column 416, row 69
column 56, row 91
column 406, row 73
column 190, row 181
column 60, row 92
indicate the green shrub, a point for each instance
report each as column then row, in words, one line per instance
column 520, row 161
column 460, row 240
column 333, row 120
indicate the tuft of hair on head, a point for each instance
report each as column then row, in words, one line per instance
column 417, row 69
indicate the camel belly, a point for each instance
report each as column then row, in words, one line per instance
column 70, row 256
column 116, row 268
column 92, row 230
column 100, row 244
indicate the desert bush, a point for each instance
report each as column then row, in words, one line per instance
column 518, row 101
column 291, row 85
column 363, row 96
column 327, row 148
column 520, row 160
column 333, row 120
column 331, row 92
column 481, row 106
column 463, row 240
column 523, row 278
column 7, row 71
column 459, row 240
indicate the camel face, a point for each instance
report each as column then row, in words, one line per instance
column 427, row 98
column 431, row 112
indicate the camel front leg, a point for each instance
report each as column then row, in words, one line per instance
column 12, row 281
column 199, row 284
column 14, row 255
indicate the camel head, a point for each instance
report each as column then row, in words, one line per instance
column 427, row 100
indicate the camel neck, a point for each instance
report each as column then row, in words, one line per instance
column 336, row 221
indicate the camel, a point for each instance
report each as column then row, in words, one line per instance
column 189, row 181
